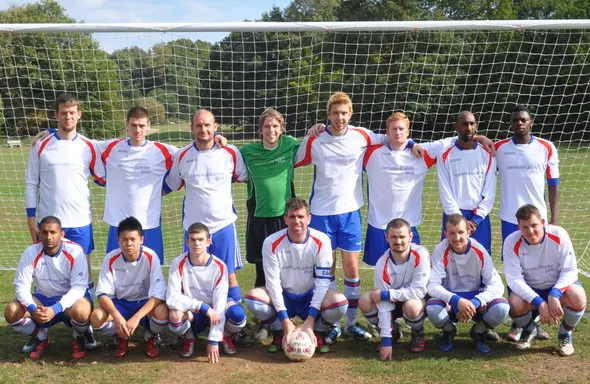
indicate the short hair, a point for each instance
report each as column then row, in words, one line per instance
column 456, row 219
column 398, row 116
column 339, row 98
column 50, row 220
column 202, row 110
column 521, row 108
column 271, row 112
column 66, row 99
column 398, row 223
column 138, row 113
column 198, row 228
column 527, row 211
column 464, row 113
column 296, row 203
column 129, row 224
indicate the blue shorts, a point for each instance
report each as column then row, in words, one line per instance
column 201, row 322
column 47, row 301
column 544, row 293
column 152, row 238
column 376, row 243
column 507, row 229
column 344, row 230
column 128, row 308
column 226, row 246
column 82, row 236
column 298, row 305
column 483, row 233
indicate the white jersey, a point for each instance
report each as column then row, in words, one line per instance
column 134, row 180
column 291, row 267
column 549, row 264
column 403, row 281
column 523, row 168
column 395, row 181
column 207, row 177
column 472, row 271
column 64, row 274
column 190, row 286
column 57, row 179
column 466, row 180
column 338, row 164
column 138, row 280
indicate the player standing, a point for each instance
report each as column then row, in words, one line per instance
column 464, row 285
column 467, row 180
column 131, row 291
column 197, row 296
column 399, row 282
column 541, row 270
column 524, row 161
column 297, row 263
column 59, row 270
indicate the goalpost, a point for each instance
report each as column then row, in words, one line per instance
column 431, row 70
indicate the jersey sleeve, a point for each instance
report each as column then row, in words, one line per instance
column 106, row 283
column 303, row 155
column 240, row 169
column 552, row 170
column 437, row 274
column 157, row 282
column 323, row 265
column 384, row 308
column 490, row 278
column 175, row 297
column 173, row 180
column 218, row 304
column 434, row 148
column 78, row 281
column 417, row 288
column 23, row 280
column 447, row 198
column 568, row 268
column 514, row 273
column 488, row 195
column 32, row 181
column 272, row 271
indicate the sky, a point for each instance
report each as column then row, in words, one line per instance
column 154, row 11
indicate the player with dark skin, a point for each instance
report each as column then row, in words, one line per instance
column 466, row 127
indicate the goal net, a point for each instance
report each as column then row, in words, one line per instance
column 430, row 70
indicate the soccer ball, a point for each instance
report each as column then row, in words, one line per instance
column 299, row 346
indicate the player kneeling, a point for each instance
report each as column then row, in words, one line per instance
column 297, row 262
column 60, row 271
column 197, row 297
column 400, row 279
column 541, row 269
column 131, row 291
column 464, row 285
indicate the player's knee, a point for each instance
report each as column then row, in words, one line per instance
column 575, row 296
column 13, row 312
column 518, row 306
column 160, row 312
column 413, row 308
column 80, row 311
column 496, row 312
column 366, row 304
column 98, row 317
column 175, row 316
column 437, row 312
column 256, row 299
column 235, row 318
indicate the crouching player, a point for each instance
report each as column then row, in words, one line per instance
column 541, row 269
column 131, row 291
column 400, row 279
column 297, row 262
column 197, row 297
column 464, row 285
column 60, row 271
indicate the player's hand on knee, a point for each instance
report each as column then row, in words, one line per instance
column 376, row 296
column 385, row 353
column 545, row 314
column 555, row 307
column 121, row 326
column 315, row 130
column 213, row 353
column 213, row 316
column 39, row 136
column 418, row 151
column 132, row 324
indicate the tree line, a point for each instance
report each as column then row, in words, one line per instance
column 432, row 75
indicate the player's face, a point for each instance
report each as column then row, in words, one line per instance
column 198, row 243
column 137, row 129
column 204, row 127
column 398, row 132
column 399, row 239
column 271, row 131
column 339, row 116
column 67, row 117
column 130, row 243
column 466, row 127
column 521, row 123
column 458, row 236
column 50, row 235
column 532, row 229
column 297, row 221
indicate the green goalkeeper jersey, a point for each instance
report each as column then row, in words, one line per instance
column 270, row 176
